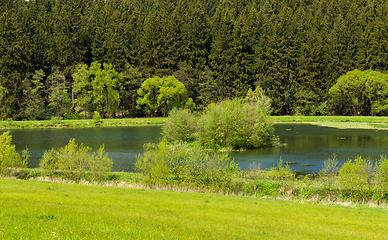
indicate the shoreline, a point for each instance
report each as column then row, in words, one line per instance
column 341, row 122
column 82, row 123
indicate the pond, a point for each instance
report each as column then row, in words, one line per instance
column 307, row 146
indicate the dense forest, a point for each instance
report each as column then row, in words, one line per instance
column 295, row 50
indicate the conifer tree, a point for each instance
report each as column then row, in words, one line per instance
column 33, row 103
column 59, row 98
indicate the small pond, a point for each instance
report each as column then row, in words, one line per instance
column 307, row 146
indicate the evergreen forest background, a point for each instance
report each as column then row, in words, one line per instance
column 295, row 50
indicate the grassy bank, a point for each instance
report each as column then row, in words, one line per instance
column 365, row 122
column 45, row 210
column 364, row 119
column 357, row 122
column 56, row 123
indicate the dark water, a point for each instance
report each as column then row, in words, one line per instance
column 307, row 146
column 122, row 144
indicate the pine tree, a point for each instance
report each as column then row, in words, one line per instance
column 221, row 55
column 33, row 96
column 130, row 83
column 59, row 98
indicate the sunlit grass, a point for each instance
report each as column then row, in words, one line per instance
column 367, row 122
column 81, row 123
column 45, row 210
column 365, row 119
column 342, row 122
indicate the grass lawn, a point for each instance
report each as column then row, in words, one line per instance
column 45, row 210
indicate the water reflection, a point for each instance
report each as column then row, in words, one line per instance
column 307, row 146
column 122, row 144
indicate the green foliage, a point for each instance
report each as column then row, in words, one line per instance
column 10, row 160
column 130, row 83
column 2, row 93
column 356, row 177
column 59, row 98
column 160, row 95
column 259, row 98
column 179, row 163
column 360, row 93
column 237, row 124
column 97, row 88
column 232, row 124
column 218, row 50
column 281, row 172
column 382, row 174
column 33, row 104
column 97, row 118
column 208, row 91
column 330, row 170
column 330, row 166
column 82, row 87
column 73, row 160
column 99, row 164
column 56, row 120
column 105, row 84
column 180, row 125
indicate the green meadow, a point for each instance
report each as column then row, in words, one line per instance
column 47, row 210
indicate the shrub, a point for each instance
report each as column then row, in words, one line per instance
column 97, row 118
column 329, row 170
column 153, row 162
column 356, row 177
column 99, row 164
column 180, row 125
column 281, row 172
column 382, row 174
column 74, row 159
column 10, row 160
column 236, row 124
column 162, row 163
column 56, row 120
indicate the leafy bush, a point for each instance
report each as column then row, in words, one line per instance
column 281, row 172
column 56, row 120
column 180, row 125
column 10, row 160
column 329, row 170
column 97, row 118
column 356, row 178
column 74, row 159
column 236, row 124
column 177, row 163
column 382, row 174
